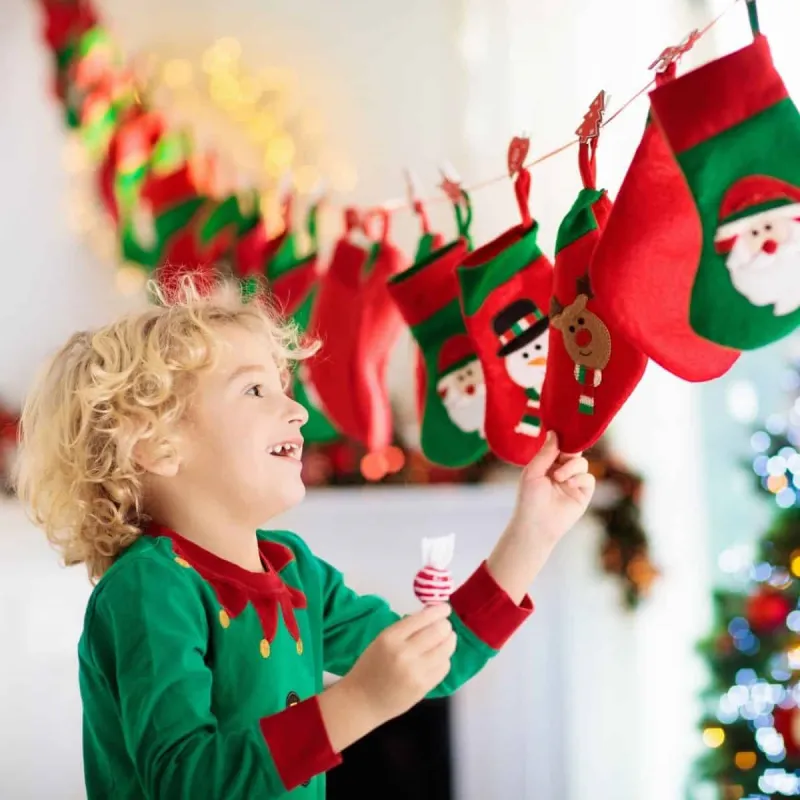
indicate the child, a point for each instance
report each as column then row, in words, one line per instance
column 152, row 450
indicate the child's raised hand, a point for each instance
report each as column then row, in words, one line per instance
column 404, row 663
column 554, row 491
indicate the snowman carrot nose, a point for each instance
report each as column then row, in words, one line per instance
column 541, row 361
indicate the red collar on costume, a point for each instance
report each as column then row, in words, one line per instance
column 235, row 586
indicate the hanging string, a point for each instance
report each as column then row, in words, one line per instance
column 402, row 204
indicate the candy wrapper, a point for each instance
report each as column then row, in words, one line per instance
column 434, row 583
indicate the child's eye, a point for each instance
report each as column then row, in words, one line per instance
column 256, row 391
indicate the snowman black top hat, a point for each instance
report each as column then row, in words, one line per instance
column 518, row 324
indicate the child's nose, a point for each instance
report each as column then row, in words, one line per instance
column 296, row 412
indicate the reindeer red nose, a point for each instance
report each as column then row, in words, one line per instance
column 583, row 338
column 769, row 246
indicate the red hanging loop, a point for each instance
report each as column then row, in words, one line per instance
column 522, row 189
column 667, row 74
column 352, row 221
column 417, row 206
column 419, row 210
column 385, row 219
column 587, row 163
column 588, row 133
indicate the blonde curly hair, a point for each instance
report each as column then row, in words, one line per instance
column 106, row 390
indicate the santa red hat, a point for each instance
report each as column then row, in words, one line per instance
column 456, row 353
column 750, row 198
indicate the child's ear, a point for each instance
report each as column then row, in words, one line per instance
column 157, row 456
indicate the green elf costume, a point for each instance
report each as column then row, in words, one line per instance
column 200, row 679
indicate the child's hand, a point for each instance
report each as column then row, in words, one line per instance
column 404, row 663
column 554, row 492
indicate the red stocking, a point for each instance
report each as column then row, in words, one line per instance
column 644, row 265
column 380, row 327
column 592, row 368
column 330, row 369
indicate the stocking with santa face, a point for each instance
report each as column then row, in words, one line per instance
column 454, row 402
column 736, row 135
column 592, row 368
column 505, row 293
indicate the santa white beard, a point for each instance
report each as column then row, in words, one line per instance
column 467, row 411
column 768, row 278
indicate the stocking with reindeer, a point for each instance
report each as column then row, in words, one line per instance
column 592, row 368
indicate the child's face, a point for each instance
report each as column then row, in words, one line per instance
column 230, row 442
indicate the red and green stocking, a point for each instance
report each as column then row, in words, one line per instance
column 125, row 166
column 318, row 428
column 592, row 368
column 506, row 287
column 736, row 135
column 335, row 322
column 454, row 404
column 643, row 268
column 250, row 248
column 380, row 327
column 160, row 229
column 429, row 241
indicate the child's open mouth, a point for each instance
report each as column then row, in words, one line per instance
column 291, row 450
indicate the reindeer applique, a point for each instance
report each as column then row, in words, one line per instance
column 586, row 340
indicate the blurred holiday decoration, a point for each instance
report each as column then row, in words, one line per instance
column 624, row 550
column 9, row 430
column 751, row 726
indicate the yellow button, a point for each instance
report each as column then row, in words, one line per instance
column 265, row 648
column 182, row 561
column 299, row 647
column 224, row 619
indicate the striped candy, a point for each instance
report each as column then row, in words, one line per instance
column 433, row 585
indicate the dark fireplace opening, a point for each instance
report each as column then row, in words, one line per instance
column 409, row 757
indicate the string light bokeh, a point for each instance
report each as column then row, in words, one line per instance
column 249, row 124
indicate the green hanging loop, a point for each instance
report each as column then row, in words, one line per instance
column 752, row 13
column 464, row 217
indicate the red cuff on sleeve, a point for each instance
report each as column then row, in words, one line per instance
column 298, row 742
column 487, row 610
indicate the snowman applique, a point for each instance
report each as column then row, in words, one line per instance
column 522, row 330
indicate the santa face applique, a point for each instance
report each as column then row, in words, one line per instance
column 762, row 241
column 461, row 385
column 523, row 333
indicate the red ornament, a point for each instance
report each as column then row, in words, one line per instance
column 787, row 723
column 767, row 611
column 434, row 583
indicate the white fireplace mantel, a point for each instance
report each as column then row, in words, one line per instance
column 541, row 719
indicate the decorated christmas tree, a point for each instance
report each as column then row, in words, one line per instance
column 751, row 723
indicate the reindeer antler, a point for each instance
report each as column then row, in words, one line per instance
column 555, row 307
column 583, row 285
